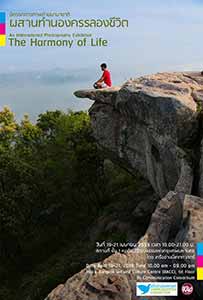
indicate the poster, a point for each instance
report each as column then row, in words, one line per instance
column 101, row 152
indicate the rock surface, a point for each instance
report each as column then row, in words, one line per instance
column 151, row 125
column 148, row 123
column 97, row 282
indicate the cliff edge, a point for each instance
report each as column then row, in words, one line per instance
column 153, row 125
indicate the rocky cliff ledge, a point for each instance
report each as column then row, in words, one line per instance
column 154, row 125
column 150, row 124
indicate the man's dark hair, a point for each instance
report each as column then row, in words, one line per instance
column 104, row 65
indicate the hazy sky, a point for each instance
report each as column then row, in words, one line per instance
column 162, row 35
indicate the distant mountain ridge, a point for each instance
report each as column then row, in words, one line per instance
column 54, row 76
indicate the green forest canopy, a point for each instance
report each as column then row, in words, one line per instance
column 52, row 187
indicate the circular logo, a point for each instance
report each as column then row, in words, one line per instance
column 187, row 289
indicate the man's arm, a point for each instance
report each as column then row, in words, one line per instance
column 100, row 80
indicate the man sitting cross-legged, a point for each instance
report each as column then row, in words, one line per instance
column 105, row 80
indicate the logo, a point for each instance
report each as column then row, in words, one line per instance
column 144, row 288
column 2, row 29
column 157, row 289
column 187, row 289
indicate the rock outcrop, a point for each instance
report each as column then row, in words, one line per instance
column 177, row 217
column 151, row 125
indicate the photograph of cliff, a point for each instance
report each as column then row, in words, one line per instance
column 101, row 150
